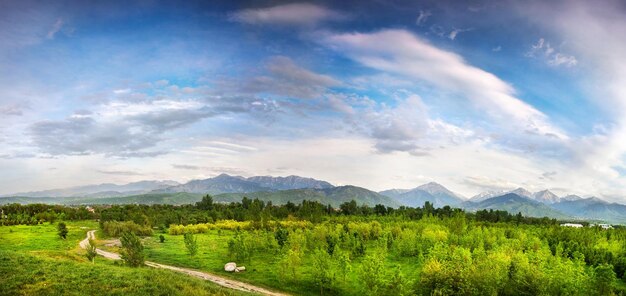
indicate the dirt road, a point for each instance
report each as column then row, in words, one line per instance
column 224, row 282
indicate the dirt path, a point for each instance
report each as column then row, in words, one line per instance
column 224, row 282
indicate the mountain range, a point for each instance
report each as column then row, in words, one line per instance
column 100, row 190
column 432, row 192
column 280, row 190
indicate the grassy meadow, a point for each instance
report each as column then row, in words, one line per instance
column 35, row 261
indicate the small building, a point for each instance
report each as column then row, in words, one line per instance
column 575, row 225
column 605, row 226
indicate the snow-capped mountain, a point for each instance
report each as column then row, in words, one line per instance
column 432, row 192
column 546, row 196
column 487, row 195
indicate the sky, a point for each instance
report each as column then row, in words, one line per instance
column 474, row 95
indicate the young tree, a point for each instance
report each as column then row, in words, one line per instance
column 373, row 273
column 62, row 230
column 191, row 244
column 604, row 279
column 291, row 262
column 132, row 249
column 91, row 251
column 343, row 263
column 206, row 203
column 322, row 270
column 281, row 236
column 161, row 238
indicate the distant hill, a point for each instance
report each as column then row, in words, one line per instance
column 100, row 189
column 235, row 184
column 544, row 196
column 30, row 200
column 432, row 192
column 334, row 196
column 179, row 198
column 289, row 182
column 593, row 209
column 514, row 203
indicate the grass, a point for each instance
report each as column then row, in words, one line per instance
column 35, row 261
column 262, row 269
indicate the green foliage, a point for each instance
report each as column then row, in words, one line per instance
column 206, row 203
column 132, row 249
column 62, row 230
column 281, row 235
column 191, row 244
column 240, row 247
column 161, row 238
column 323, row 273
column 604, row 278
column 373, row 274
column 115, row 228
column 343, row 264
column 91, row 251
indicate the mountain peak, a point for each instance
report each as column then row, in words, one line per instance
column 546, row 196
column 522, row 192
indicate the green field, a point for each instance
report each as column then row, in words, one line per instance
column 35, row 261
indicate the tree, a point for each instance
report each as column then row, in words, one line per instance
column 281, row 236
column 290, row 263
column 240, row 246
column 191, row 244
column 603, row 279
column 349, row 208
column 62, row 230
column 322, row 270
column 206, row 203
column 373, row 273
column 161, row 238
column 132, row 249
column 91, row 251
column 343, row 262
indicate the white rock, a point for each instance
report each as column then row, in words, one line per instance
column 240, row 269
column 230, row 266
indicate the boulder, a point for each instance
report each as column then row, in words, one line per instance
column 230, row 266
column 240, row 268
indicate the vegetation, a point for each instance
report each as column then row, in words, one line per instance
column 34, row 261
column 313, row 249
column 132, row 249
column 62, row 230
column 91, row 251
column 191, row 244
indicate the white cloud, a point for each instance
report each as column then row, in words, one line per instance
column 455, row 32
column 423, row 17
column 544, row 50
column 301, row 14
column 55, row 29
column 415, row 58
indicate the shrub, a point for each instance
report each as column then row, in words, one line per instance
column 115, row 228
column 191, row 244
column 91, row 251
column 161, row 238
column 132, row 249
column 62, row 230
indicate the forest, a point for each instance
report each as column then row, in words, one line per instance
column 311, row 248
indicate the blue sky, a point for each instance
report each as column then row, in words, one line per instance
column 478, row 95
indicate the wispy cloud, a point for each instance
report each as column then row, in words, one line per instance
column 455, row 32
column 300, row 14
column 422, row 17
column 544, row 50
column 55, row 29
column 119, row 173
column 416, row 58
